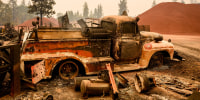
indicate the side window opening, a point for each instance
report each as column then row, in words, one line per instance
column 128, row 28
column 107, row 25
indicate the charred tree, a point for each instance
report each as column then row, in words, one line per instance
column 42, row 7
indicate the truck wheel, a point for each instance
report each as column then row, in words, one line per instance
column 156, row 60
column 141, row 82
column 68, row 70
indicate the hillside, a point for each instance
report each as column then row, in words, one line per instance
column 173, row 18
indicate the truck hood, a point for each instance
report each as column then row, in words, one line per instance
column 151, row 35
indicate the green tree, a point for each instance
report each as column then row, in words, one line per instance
column 42, row 7
column 85, row 10
column 122, row 6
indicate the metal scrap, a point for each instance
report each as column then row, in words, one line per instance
column 112, row 81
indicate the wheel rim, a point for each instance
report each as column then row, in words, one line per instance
column 68, row 70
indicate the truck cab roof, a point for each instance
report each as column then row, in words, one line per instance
column 120, row 19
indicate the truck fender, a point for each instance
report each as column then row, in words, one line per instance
column 146, row 56
column 75, row 58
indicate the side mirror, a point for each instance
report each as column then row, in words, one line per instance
column 137, row 19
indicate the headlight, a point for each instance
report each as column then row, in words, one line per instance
column 148, row 46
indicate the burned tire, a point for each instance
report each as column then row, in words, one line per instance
column 142, row 83
column 156, row 60
column 68, row 70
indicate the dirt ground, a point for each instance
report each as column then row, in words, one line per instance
column 180, row 74
column 189, row 48
column 184, row 75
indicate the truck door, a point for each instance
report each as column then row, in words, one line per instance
column 130, row 47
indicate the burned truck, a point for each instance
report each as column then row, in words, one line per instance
column 71, row 52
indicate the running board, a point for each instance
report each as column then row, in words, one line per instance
column 121, row 68
column 127, row 67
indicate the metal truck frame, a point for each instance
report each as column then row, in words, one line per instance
column 72, row 52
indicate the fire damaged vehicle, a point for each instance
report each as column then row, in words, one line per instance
column 73, row 52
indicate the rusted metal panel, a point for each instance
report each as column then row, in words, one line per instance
column 142, row 82
column 41, row 56
column 150, row 48
column 54, row 46
column 90, row 48
column 51, row 63
column 51, row 60
column 112, row 80
column 94, row 87
column 130, row 49
column 57, row 34
column 78, row 80
column 95, row 67
column 92, row 65
column 99, row 47
column 28, row 83
column 122, row 80
column 15, row 74
column 38, row 71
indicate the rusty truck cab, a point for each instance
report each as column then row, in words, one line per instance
column 134, row 49
column 126, row 43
